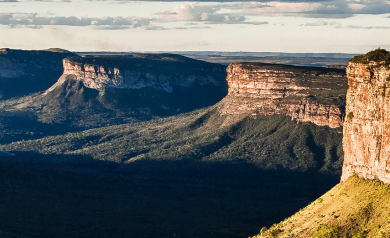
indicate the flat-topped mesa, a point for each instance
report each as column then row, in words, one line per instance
column 366, row 140
column 159, row 71
column 307, row 94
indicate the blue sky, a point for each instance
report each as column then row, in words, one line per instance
column 346, row 26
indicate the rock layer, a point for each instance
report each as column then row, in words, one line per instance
column 306, row 94
column 366, row 140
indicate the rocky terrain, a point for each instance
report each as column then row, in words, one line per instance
column 305, row 94
column 366, row 132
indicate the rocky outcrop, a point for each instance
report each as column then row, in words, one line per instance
column 161, row 72
column 306, row 94
column 366, row 140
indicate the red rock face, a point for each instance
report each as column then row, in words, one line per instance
column 261, row 90
column 366, row 140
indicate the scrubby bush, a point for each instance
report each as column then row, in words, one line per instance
column 378, row 55
column 327, row 231
column 358, row 234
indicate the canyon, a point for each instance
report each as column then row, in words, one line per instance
column 117, row 142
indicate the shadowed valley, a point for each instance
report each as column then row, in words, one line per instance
column 173, row 151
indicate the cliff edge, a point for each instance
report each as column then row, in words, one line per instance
column 161, row 72
column 306, row 94
column 366, row 129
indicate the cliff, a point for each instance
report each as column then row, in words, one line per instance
column 161, row 72
column 23, row 72
column 111, row 89
column 307, row 94
column 366, row 130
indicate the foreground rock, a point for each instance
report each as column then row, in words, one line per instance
column 307, row 94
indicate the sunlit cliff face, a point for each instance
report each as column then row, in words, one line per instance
column 260, row 89
column 366, row 139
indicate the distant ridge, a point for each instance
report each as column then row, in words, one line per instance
column 23, row 72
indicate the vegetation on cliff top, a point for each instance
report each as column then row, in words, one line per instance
column 379, row 55
column 355, row 208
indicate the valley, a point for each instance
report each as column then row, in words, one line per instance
column 161, row 145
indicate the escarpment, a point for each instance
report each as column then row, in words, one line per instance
column 120, row 87
column 366, row 140
column 161, row 72
column 307, row 94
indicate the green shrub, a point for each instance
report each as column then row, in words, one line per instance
column 274, row 232
column 350, row 115
column 358, row 234
column 327, row 231
column 377, row 55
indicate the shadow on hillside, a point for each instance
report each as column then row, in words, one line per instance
column 75, row 196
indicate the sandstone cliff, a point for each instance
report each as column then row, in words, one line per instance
column 306, row 94
column 366, row 129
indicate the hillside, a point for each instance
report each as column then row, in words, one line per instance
column 271, row 143
column 179, row 174
column 354, row 208
column 193, row 175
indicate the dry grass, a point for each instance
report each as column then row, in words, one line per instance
column 355, row 208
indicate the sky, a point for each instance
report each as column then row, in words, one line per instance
column 308, row 26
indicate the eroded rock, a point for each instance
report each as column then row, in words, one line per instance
column 367, row 124
column 306, row 94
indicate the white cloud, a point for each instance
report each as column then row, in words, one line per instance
column 320, row 22
column 33, row 20
column 207, row 13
